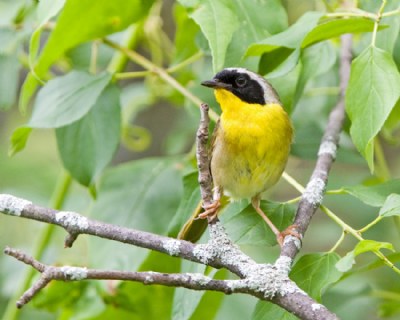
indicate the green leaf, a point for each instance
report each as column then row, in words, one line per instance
column 391, row 207
column 87, row 145
column 81, row 21
column 286, row 86
column 315, row 60
column 66, row 99
column 186, row 302
column 273, row 68
column 217, row 21
column 143, row 194
column 335, row 28
column 261, row 17
column 247, row 227
column 374, row 88
column 9, row 77
column 210, row 303
column 290, row 38
column 140, row 300
column 280, row 53
column 185, row 35
column 315, row 272
column 393, row 120
column 74, row 300
column 188, row 205
column 268, row 311
column 59, row 294
column 258, row 20
column 27, row 91
column 18, row 140
column 371, row 245
column 374, row 195
column 378, row 262
column 391, row 306
column 346, row 263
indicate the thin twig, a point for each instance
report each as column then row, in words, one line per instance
column 377, row 21
column 192, row 281
column 203, row 161
column 314, row 192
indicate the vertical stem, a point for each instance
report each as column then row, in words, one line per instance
column 60, row 192
column 377, row 21
column 93, row 57
column 56, row 202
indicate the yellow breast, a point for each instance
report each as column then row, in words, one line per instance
column 251, row 147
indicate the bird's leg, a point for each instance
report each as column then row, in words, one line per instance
column 256, row 204
column 211, row 210
column 280, row 236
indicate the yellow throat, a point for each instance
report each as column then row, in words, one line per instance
column 252, row 146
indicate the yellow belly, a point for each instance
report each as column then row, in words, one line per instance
column 251, row 147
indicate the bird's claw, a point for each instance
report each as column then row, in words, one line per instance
column 211, row 211
column 291, row 230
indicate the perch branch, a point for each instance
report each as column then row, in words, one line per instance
column 268, row 282
column 315, row 189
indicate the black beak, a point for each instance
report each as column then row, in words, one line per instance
column 215, row 83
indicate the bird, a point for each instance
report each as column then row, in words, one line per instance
column 251, row 142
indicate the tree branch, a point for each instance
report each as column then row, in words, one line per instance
column 269, row 282
column 315, row 190
column 194, row 281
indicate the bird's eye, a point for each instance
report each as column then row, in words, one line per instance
column 241, row 81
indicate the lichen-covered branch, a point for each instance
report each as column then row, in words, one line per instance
column 314, row 192
column 203, row 163
column 268, row 282
column 49, row 273
column 77, row 224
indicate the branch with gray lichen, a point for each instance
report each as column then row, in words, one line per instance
column 269, row 282
column 195, row 281
column 313, row 195
column 203, row 163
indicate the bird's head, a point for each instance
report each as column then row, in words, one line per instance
column 244, row 84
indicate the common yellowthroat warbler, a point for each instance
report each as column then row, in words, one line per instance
column 251, row 141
